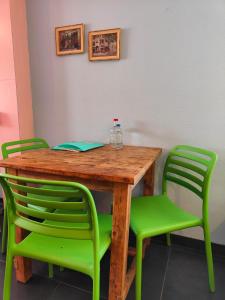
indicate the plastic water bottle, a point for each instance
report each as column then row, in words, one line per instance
column 116, row 135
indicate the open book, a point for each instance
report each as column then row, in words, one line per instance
column 78, row 146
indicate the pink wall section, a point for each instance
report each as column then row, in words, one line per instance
column 9, row 128
column 16, row 119
column 22, row 68
column 6, row 46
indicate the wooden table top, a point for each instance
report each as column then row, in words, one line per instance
column 126, row 165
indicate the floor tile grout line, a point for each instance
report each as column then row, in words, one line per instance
column 72, row 286
column 164, row 277
column 53, row 292
column 59, row 282
column 198, row 251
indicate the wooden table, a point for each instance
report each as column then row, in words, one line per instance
column 102, row 169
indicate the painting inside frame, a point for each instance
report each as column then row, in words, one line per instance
column 70, row 39
column 104, row 45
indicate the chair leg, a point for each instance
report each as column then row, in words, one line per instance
column 208, row 250
column 50, row 271
column 96, row 286
column 8, row 277
column 138, row 279
column 61, row 268
column 168, row 239
column 4, row 231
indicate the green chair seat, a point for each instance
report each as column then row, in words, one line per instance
column 68, row 253
column 155, row 215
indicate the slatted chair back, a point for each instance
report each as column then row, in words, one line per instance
column 72, row 219
column 23, row 145
column 191, row 168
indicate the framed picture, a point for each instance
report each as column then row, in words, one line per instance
column 69, row 39
column 104, row 44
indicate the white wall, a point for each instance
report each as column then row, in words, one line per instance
column 168, row 88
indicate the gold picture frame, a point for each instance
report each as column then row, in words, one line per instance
column 69, row 39
column 104, row 44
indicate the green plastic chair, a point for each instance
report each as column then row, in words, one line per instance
column 14, row 147
column 71, row 234
column 19, row 146
column 191, row 168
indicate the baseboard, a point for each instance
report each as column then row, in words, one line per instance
column 195, row 244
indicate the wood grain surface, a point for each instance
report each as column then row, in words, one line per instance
column 126, row 165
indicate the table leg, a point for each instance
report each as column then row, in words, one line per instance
column 23, row 265
column 120, row 236
column 149, row 181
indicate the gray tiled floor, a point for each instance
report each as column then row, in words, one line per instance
column 175, row 273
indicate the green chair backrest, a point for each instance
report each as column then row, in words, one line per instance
column 73, row 219
column 191, row 168
column 22, row 145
